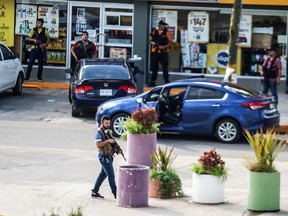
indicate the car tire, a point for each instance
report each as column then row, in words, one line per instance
column 117, row 124
column 70, row 96
column 228, row 131
column 17, row 90
column 75, row 113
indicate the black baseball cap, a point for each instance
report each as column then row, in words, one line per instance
column 161, row 22
column 272, row 48
column 40, row 20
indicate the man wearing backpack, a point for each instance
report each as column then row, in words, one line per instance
column 39, row 38
column 84, row 48
column 271, row 72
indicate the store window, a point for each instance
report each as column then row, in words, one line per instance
column 258, row 31
column 54, row 14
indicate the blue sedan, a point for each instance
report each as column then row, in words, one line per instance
column 199, row 106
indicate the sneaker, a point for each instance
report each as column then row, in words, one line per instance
column 96, row 195
column 152, row 84
column 40, row 80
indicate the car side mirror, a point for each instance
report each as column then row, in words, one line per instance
column 139, row 100
column 69, row 71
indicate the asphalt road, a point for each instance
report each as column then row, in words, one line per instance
column 48, row 160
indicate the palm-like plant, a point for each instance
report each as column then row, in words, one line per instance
column 266, row 147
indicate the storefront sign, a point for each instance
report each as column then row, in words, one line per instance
column 170, row 17
column 51, row 19
column 118, row 53
column 222, row 58
column 7, row 22
column 198, row 27
column 26, row 16
column 245, row 31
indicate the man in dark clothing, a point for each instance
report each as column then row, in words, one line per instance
column 39, row 38
column 271, row 72
column 84, row 48
column 105, row 146
column 161, row 41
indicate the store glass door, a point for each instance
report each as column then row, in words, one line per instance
column 110, row 27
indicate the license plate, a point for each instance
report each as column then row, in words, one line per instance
column 272, row 106
column 105, row 92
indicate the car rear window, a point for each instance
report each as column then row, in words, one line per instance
column 241, row 90
column 105, row 72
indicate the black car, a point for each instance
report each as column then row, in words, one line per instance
column 95, row 81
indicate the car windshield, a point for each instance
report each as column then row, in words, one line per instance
column 105, row 72
column 241, row 90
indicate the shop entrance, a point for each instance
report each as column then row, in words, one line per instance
column 110, row 27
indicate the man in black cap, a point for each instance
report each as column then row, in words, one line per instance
column 39, row 38
column 161, row 40
column 271, row 72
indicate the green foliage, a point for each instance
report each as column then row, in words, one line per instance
column 142, row 122
column 210, row 163
column 169, row 180
column 72, row 212
column 162, row 158
column 266, row 147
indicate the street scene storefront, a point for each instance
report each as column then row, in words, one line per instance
column 200, row 32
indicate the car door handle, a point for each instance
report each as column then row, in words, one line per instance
column 216, row 105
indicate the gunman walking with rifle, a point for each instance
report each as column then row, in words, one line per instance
column 107, row 146
column 161, row 40
column 39, row 38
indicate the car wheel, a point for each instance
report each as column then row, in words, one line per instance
column 17, row 90
column 117, row 124
column 75, row 113
column 70, row 96
column 228, row 131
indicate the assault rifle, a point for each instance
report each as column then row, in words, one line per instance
column 116, row 146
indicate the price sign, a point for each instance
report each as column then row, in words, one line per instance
column 198, row 27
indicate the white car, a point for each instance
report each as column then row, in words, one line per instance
column 11, row 71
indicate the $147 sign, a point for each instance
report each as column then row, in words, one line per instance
column 198, row 27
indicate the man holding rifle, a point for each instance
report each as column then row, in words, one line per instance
column 107, row 146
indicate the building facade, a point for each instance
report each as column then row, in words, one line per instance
column 200, row 32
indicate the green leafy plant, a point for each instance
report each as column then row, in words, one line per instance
column 142, row 121
column 266, row 147
column 210, row 163
column 169, row 180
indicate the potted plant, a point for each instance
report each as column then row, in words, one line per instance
column 209, row 178
column 141, row 129
column 163, row 181
column 264, row 179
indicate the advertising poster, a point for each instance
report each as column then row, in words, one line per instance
column 51, row 19
column 118, row 53
column 7, row 22
column 26, row 16
column 245, row 31
column 198, row 27
column 170, row 17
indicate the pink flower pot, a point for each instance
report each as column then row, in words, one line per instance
column 139, row 146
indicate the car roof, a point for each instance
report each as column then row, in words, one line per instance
column 103, row 61
column 197, row 81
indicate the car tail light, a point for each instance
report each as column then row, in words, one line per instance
column 255, row 105
column 83, row 89
column 129, row 89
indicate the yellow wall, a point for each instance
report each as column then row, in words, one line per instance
column 258, row 2
column 7, row 12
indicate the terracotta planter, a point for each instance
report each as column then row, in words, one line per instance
column 264, row 191
column 208, row 189
column 154, row 190
column 138, row 148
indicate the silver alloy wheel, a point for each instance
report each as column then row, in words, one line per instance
column 118, row 124
column 228, row 131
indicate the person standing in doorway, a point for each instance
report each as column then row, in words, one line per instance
column 271, row 73
column 84, row 48
column 39, row 38
column 106, row 156
column 161, row 40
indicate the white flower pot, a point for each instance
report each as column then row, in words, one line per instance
column 208, row 189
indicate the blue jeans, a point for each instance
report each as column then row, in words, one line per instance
column 106, row 171
column 272, row 85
